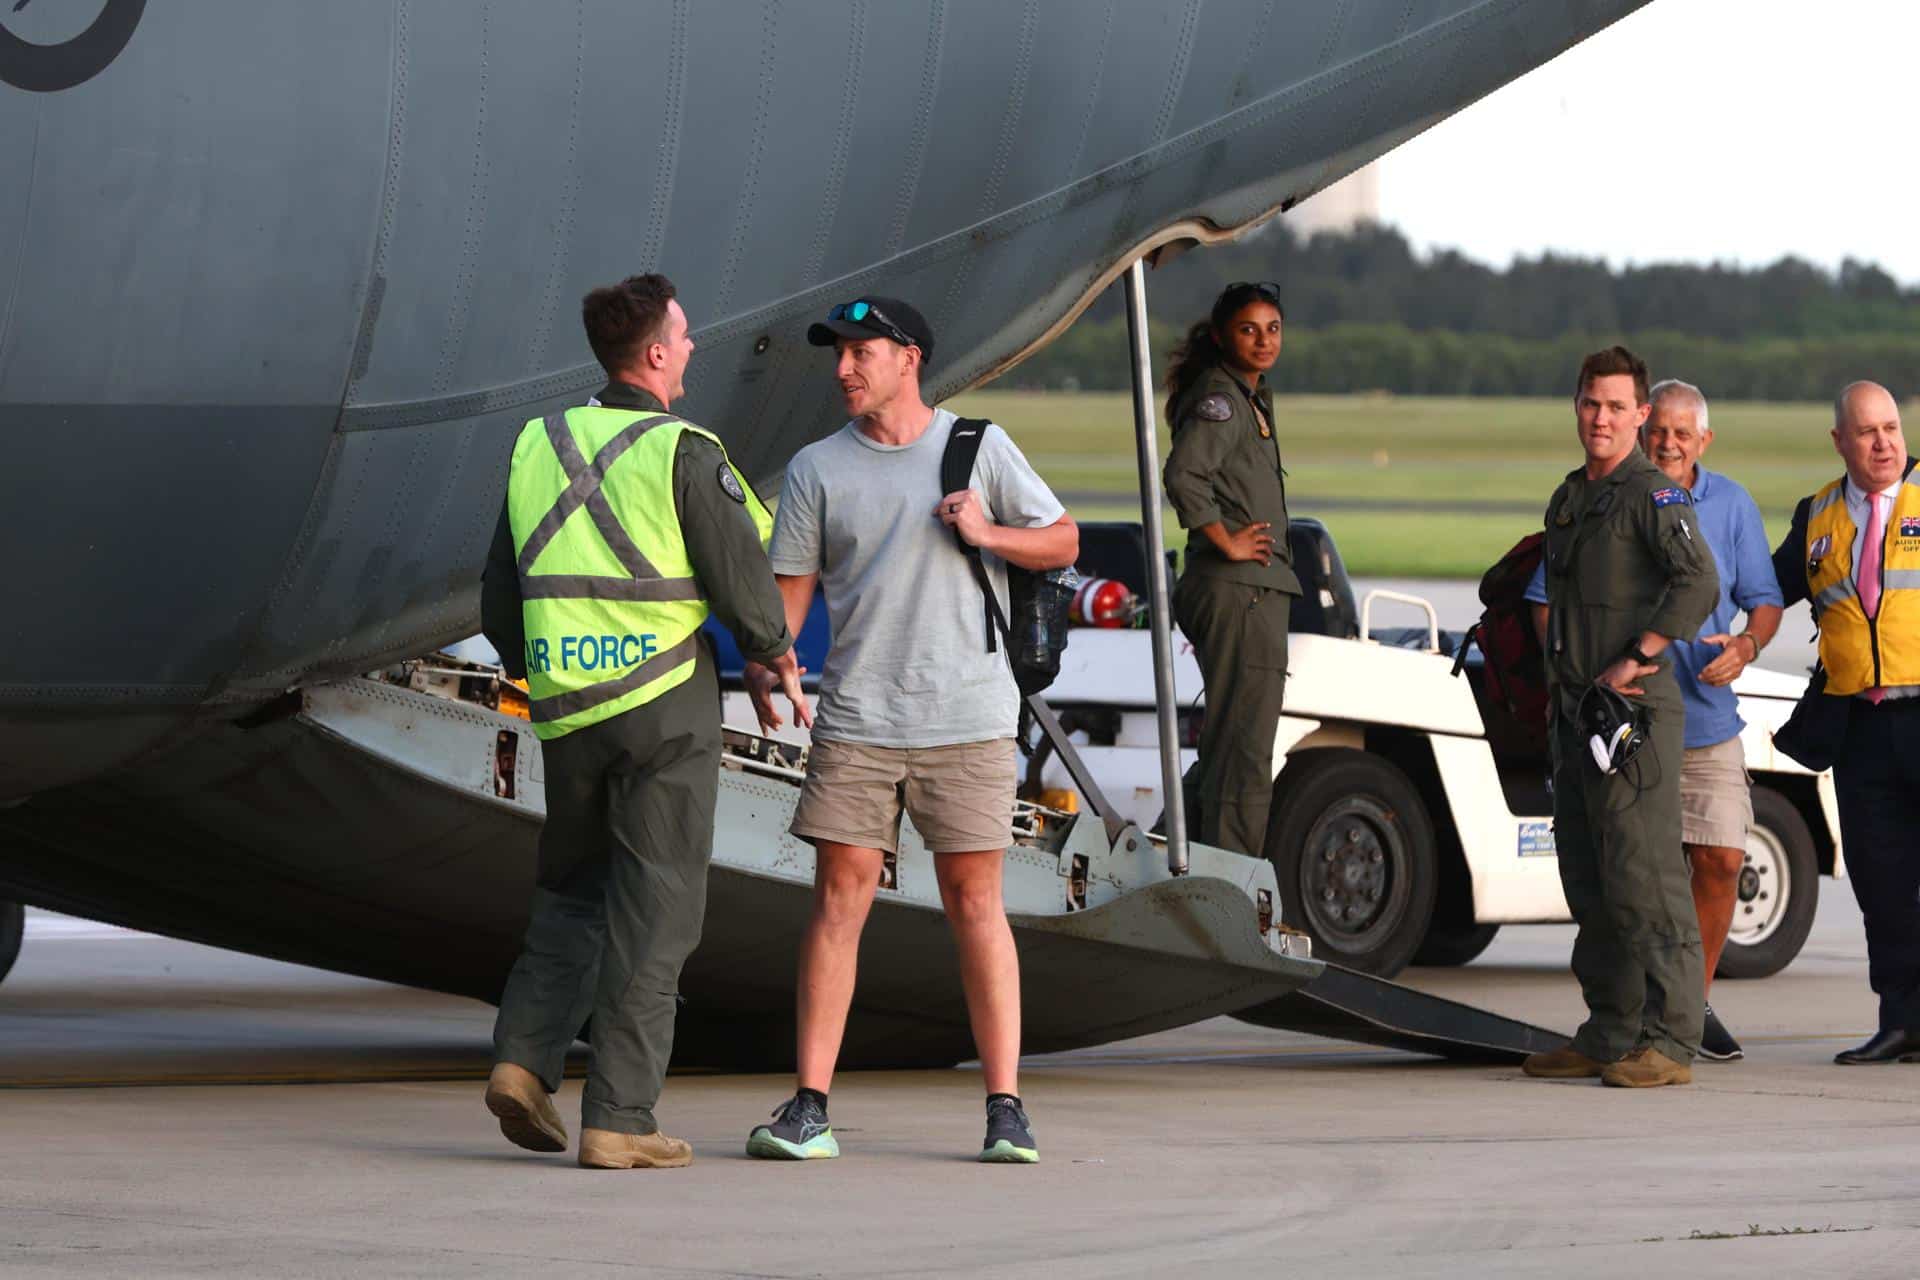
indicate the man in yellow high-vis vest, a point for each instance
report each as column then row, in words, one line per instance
column 625, row 526
column 1854, row 551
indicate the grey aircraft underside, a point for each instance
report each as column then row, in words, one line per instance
column 280, row 280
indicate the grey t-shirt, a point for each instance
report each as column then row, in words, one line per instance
column 909, row 665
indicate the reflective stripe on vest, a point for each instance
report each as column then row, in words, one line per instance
column 1857, row 653
column 608, row 596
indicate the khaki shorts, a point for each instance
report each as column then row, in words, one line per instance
column 959, row 797
column 1716, row 797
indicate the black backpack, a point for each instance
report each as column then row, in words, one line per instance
column 1037, row 602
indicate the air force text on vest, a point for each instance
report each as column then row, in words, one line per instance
column 590, row 653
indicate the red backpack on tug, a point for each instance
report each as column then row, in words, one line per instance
column 1512, row 684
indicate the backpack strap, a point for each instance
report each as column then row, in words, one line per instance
column 963, row 450
column 1471, row 634
column 956, row 473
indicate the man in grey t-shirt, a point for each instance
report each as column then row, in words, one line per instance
column 915, row 713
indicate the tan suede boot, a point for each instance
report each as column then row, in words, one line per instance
column 525, row 1108
column 606, row 1149
column 1646, row 1068
column 1564, row 1063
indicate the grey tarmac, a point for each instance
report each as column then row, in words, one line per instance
column 1208, row 1150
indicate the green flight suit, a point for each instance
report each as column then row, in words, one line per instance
column 1225, row 465
column 1624, row 555
column 621, row 886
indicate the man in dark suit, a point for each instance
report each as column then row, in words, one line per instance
column 1854, row 551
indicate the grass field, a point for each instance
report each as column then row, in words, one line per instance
column 1501, row 457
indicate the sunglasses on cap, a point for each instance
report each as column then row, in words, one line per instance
column 867, row 314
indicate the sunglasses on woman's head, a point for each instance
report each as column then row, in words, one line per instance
column 1268, row 289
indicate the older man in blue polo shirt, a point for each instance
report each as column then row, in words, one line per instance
column 1715, row 801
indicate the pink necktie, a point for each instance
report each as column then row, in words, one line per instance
column 1868, row 578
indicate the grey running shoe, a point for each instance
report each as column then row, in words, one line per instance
column 1009, row 1135
column 1715, row 1044
column 799, row 1132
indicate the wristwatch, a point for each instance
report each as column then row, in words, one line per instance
column 1633, row 651
column 1749, row 638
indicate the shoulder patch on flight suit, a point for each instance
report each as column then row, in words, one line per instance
column 1669, row 497
column 1214, row 408
column 730, row 485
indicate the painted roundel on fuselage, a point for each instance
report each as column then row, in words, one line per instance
column 74, row 60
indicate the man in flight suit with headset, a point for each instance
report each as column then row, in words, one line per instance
column 1627, row 572
column 625, row 526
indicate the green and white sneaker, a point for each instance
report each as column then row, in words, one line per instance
column 1009, row 1135
column 799, row 1132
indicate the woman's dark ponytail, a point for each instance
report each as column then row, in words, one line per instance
column 1192, row 356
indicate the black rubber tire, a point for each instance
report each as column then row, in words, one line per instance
column 1351, row 824
column 1777, row 822
column 1446, row 946
column 13, row 927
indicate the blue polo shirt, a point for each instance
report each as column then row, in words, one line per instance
column 1730, row 521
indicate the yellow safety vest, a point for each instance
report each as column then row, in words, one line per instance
column 608, row 596
column 1860, row 652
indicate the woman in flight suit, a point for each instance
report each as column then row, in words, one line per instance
column 1237, row 585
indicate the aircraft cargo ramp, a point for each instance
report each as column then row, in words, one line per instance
column 418, row 870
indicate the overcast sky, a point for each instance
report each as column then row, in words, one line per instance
column 1747, row 129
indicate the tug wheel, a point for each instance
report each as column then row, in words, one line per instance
column 1778, row 892
column 1353, row 850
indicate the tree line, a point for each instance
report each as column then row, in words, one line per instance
column 1365, row 313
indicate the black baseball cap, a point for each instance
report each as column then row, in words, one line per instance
column 874, row 317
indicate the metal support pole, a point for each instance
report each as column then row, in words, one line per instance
column 1159, row 592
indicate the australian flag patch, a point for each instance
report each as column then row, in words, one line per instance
column 1667, row 497
column 1910, row 526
